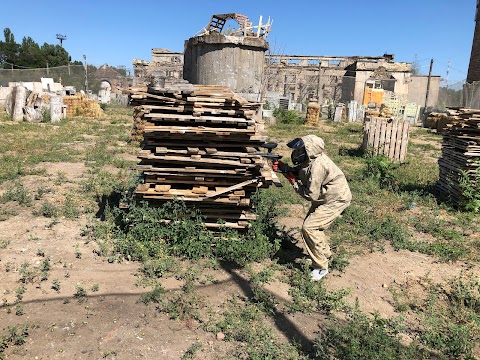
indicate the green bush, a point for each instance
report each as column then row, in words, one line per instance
column 288, row 116
column 146, row 232
column 470, row 188
column 382, row 169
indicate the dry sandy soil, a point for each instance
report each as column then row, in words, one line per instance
column 112, row 323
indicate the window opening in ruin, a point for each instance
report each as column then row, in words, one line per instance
column 313, row 62
column 334, row 62
column 374, row 84
column 293, row 62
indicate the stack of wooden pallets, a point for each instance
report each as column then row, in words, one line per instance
column 201, row 144
column 460, row 153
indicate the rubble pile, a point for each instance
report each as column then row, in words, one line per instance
column 460, row 153
column 202, row 145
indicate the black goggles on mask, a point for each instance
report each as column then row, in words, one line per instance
column 299, row 154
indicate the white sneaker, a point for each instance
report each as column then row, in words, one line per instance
column 318, row 274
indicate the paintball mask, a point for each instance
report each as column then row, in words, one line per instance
column 299, row 154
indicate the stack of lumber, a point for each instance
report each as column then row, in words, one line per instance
column 201, row 144
column 442, row 122
column 460, row 152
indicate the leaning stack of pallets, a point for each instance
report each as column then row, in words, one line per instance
column 201, row 144
column 386, row 136
column 460, row 153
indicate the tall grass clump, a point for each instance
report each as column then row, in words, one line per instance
column 288, row 116
column 363, row 337
column 470, row 188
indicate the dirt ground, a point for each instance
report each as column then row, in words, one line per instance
column 112, row 323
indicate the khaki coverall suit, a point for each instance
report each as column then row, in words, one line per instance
column 322, row 183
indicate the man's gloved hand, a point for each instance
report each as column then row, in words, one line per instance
column 281, row 166
column 291, row 177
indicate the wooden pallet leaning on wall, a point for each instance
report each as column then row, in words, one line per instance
column 384, row 136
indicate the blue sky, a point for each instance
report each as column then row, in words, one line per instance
column 116, row 32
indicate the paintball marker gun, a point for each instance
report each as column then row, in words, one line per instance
column 269, row 155
column 275, row 158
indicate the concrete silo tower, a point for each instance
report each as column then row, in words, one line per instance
column 229, row 57
column 474, row 67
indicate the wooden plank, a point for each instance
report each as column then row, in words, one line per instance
column 196, row 130
column 158, row 196
column 371, row 131
column 366, row 127
column 231, row 188
column 200, row 189
column 393, row 140
column 404, row 142
column 189, row 170
column 194, row 160
column 163, row 188
column 376, row 139
column 203, row 153
column 388, row 138
column 398, row 142
column 383, row 130
column 202, row 118
column 205, row 99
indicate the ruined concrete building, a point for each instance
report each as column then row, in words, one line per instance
column 369, row 80
column 164, row 64
column 235, row 57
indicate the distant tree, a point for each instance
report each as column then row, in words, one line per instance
column 29, row 54
column 416, row 66
column 8, row 49
column 55, row 55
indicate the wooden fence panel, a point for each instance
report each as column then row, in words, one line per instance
column 387, row 137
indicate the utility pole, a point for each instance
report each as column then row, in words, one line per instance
column 446, row 77
column 446, row 83
column 428, row 86
column 318, row 82
column 85, row 67
column 61, row 38
column 47, row 67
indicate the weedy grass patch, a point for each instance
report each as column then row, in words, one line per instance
column 364, row 337
column 311, row 296
column 17, row 193
column 448, row 315
column 246, row 325
column 14, row 335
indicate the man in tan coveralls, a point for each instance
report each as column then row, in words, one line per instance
column 317, row 179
